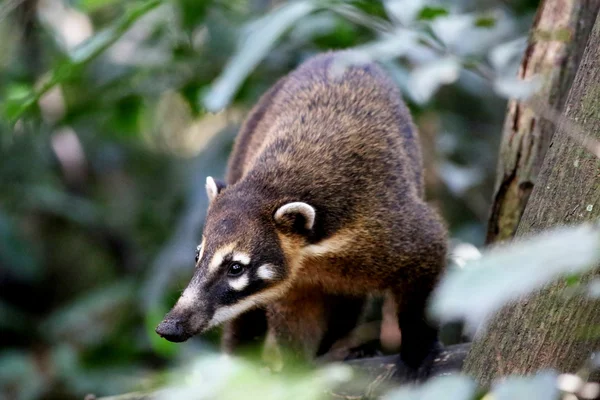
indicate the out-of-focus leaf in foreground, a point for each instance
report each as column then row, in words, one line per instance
column 224, row 377
column 540, row 386
column 455, row 387
column 508, row 272
column 252, row 48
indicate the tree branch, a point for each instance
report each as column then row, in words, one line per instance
column 378, row 373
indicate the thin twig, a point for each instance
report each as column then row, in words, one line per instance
column 360, row 18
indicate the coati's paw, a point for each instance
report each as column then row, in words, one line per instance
column 408, row 370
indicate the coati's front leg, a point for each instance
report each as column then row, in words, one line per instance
column 297, row 323
column 307, row 322
column 419, row 336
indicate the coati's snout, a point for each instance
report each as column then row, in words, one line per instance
column 240, row 263
column 173, row 330
column 189, row 316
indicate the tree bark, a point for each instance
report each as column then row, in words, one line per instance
column 549, row 329
column 556, row 45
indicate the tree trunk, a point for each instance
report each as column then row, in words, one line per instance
column 549, row 329
column 556, row 45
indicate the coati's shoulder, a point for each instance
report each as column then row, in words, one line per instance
column 325, row 87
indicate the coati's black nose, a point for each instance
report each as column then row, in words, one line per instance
column 172, row 330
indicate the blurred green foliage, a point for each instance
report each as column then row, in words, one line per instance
column 105, row 142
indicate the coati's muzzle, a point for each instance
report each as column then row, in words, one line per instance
column 185, row 320
column 173, row 330
column 179, row 328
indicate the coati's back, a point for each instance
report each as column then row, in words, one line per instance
column 344, row 141
column 315, row 103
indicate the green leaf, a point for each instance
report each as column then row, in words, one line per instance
column 193, row 12
column 79, row 57
column 94, row 5
column 485, row 22
column 18, row 99
column 212, row 376
column 506, row 273
column 96, row 44
column 261, row 38
column 430, row 13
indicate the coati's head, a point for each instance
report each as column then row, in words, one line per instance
column 244, row 259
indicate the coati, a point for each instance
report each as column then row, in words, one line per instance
column 324, row 199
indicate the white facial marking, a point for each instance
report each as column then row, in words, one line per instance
column 298, row 207
column 242, row 258
column 201, row 249
column 211, row 188
column 226, row 313
column 220, row 254
column 240, row 283
column 266, row 272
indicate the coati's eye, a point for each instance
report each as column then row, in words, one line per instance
column 198, row 249
column 235, row 269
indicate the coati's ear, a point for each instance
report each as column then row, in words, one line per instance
column 296, row 216
column 213, row 188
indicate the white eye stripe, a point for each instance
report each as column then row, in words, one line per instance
column 242, row 258
column 226, row 313
column 200, row 250
column 266, row 272
column 240, row 283
column 219, row 256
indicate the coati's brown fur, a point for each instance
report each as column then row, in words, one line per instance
column 343, row 147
